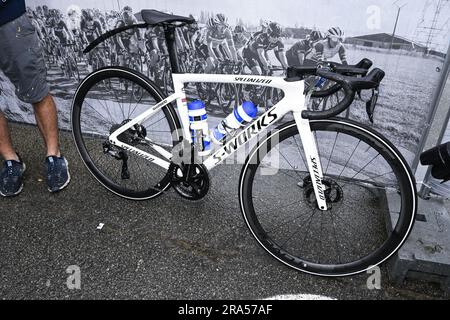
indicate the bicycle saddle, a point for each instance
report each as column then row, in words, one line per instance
column 154, row 18
column 439, row 159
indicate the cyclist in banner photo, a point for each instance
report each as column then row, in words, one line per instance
column 62, row 35
column 328, row 48
column 297, row 53
column 90, row 29
column 155, row 43
column 23, row 63
column 256, row 52
column 219, row 42
column 240, row 39
column 36, row 23
column 130, row 40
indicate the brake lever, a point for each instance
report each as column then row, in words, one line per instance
column 372, row 104
column 359, row 95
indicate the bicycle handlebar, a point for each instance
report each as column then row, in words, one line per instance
column 345, row 70
column 340, row 107
column 350, row 85
column 359, row 69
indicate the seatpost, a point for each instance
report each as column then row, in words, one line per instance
column 169, row 31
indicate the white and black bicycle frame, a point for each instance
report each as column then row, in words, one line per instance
column 293, row 102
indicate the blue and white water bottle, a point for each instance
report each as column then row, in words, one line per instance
column 198, row 119
column 241, row 115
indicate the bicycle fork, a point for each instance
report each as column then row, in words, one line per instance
column 313, row 159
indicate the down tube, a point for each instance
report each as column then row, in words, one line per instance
column 260, row 125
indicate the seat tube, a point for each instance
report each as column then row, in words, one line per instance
column 169, row 31
column 313, row 159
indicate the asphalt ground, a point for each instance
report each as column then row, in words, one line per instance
column 166, row 248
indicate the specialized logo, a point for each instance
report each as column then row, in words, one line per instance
column 139, row 153
column 253, row 80
column 245, row 136
column 318, row 179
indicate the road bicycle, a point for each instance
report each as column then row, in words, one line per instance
column 313, row 191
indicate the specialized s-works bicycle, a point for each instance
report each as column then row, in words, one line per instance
column 313, row 191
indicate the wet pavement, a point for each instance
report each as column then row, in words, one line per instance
column 166, row 248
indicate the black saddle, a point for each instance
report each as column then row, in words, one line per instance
column 158, row 18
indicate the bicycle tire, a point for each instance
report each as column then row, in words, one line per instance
column 111, row 183
column 377, row 254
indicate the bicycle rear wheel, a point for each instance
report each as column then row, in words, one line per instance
column 96, row 113
column 361, row 171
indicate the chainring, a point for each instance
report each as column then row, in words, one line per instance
column 193, row 188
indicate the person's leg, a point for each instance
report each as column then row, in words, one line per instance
column 47, row 121
column 6, row 149
column 58, row 176
column 22, row 61
column 210, row 65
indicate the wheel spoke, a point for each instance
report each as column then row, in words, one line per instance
column 351, row 156
column 332, row 151
column 301, row 153
column 296, row 172
column 300, row 228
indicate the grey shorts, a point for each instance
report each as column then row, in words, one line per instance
column 22, row 60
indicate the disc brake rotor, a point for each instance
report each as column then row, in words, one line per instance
column 132, row 136
column 333, row 192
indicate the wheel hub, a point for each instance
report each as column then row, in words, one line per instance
column 133, row 136
column 333, row 192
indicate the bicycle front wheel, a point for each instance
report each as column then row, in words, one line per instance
column 361, row 172
column 107, row 100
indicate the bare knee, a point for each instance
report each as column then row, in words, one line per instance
column 46, row 100
column 45, row 106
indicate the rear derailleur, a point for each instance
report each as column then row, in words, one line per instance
column 134, row 136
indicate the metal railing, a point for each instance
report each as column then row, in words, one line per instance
column 437, row 125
